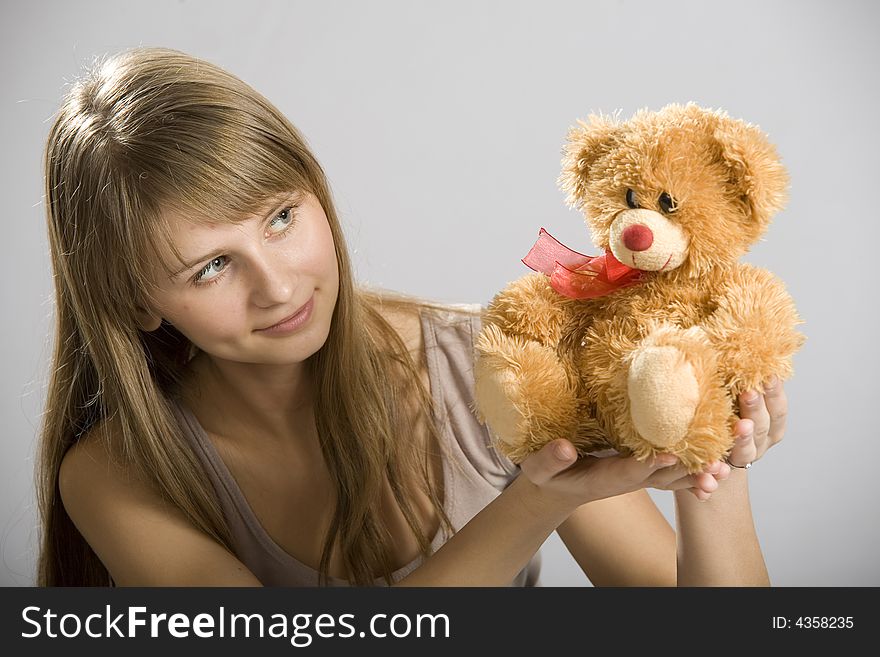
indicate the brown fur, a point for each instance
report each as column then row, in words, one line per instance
column 551, row 367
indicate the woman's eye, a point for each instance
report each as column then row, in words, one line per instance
column 213, row 266
column 631, row 199
column 667, row 203
column 283, row 219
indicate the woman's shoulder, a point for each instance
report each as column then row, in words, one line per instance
column 140, row 537
column 406, row 313
column 95, row 481
column 94, row 462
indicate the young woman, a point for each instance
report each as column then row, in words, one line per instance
column 226, row 406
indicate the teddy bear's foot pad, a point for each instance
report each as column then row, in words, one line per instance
column 663, row 394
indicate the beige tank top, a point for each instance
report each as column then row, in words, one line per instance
column 474, row 473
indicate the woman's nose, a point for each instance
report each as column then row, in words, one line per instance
column 638, row 237
column 273, row 284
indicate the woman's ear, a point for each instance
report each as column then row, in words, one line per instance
column 586, row 143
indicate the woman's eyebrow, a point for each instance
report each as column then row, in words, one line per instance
column 275, row 204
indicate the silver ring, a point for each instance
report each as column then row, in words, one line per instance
column 741, row 467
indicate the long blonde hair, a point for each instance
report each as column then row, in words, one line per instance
column 154, row 129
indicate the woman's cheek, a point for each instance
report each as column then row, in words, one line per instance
column 330, row 266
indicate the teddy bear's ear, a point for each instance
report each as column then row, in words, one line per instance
column 586, row 143
column 754, row 168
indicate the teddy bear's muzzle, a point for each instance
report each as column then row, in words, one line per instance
column 645, row 239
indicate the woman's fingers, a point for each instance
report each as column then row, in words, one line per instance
column 663, row 477
column 752, row 407
column 777, row 407
column 701, row 485
column 701, row 481
column 639, row 471
column 762, row 422
column 745, row 449
column 550, row 460
column 705, row 482
column 717, row 470
column 700, row 494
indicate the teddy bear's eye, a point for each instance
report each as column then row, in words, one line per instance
column 667, row 203
column 631, row 199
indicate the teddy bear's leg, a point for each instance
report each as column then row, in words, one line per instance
column 677, row 400
column 523, row 392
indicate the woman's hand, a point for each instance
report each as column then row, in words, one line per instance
column 761, row 424
column 557, row 472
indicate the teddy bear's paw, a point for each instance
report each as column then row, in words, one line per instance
column 663, row 394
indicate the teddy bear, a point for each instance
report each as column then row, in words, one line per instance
column 644, row 349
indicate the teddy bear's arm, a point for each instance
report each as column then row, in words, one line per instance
column 753, row 329
column 530, row 308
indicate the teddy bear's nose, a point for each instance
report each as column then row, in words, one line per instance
column 638, row 237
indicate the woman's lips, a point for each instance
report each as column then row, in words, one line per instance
column 294, row 321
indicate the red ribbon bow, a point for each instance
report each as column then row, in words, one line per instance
column 576, row 275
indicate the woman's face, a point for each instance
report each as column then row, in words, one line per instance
column 245, row 277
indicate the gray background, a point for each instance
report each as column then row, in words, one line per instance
column 440, row 127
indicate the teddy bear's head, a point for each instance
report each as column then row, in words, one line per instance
column 683, row 189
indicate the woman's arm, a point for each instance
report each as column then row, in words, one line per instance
column 496, row 544
column 499, row 541
column 626, row 541
column 717, row 542
column 622, row 541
